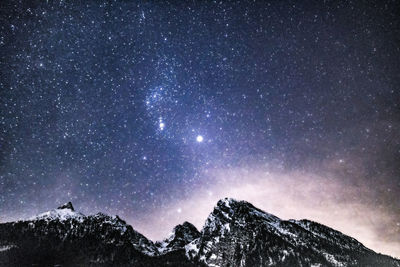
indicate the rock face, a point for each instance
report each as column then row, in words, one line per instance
column 67, row 206
column 181, row 235
column 235, row 234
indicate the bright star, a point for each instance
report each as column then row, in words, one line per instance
column 162, row 126
column 199, row 138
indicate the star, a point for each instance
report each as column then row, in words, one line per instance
column 199, row 138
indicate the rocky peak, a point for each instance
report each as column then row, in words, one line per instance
column 227, row 202
column 66, row 206
column 229, row 209
column 62, row 213
column 184, row 234
column 186, row 228
column 181, row 235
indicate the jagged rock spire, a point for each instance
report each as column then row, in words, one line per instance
column 67, row 206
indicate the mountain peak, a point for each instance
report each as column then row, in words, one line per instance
column 62, row 213
column 230, row 207
column 229, row 203
column 186, row 231
column 186, row 225
column 66, row 206
column 181, row 235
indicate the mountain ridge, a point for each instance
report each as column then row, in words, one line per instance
column 235, row 233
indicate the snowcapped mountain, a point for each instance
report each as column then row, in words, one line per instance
column 235, row 234
column 238, row 234
column 69, row 238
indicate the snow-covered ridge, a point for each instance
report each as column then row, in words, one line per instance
column 229, row 208
column 234, row 206
column 62, row 213
column 67, row 214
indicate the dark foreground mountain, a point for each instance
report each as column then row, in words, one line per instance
column 235, row 234
column 65, row 237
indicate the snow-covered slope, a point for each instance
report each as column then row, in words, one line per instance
column 62, row 213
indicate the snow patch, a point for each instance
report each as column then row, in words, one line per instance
column 332, row 260
column 192, row 249
column 59, row 214
column 6, row 247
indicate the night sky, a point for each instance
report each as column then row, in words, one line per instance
column 154, row 110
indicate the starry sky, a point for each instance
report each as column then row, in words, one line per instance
column 155, row 109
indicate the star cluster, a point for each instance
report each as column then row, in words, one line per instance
column 124, row 107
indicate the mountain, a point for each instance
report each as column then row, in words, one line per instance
column 68, row 238
column 238, row 234
column 235, row 234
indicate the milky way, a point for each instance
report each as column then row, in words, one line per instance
column 143, row 109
